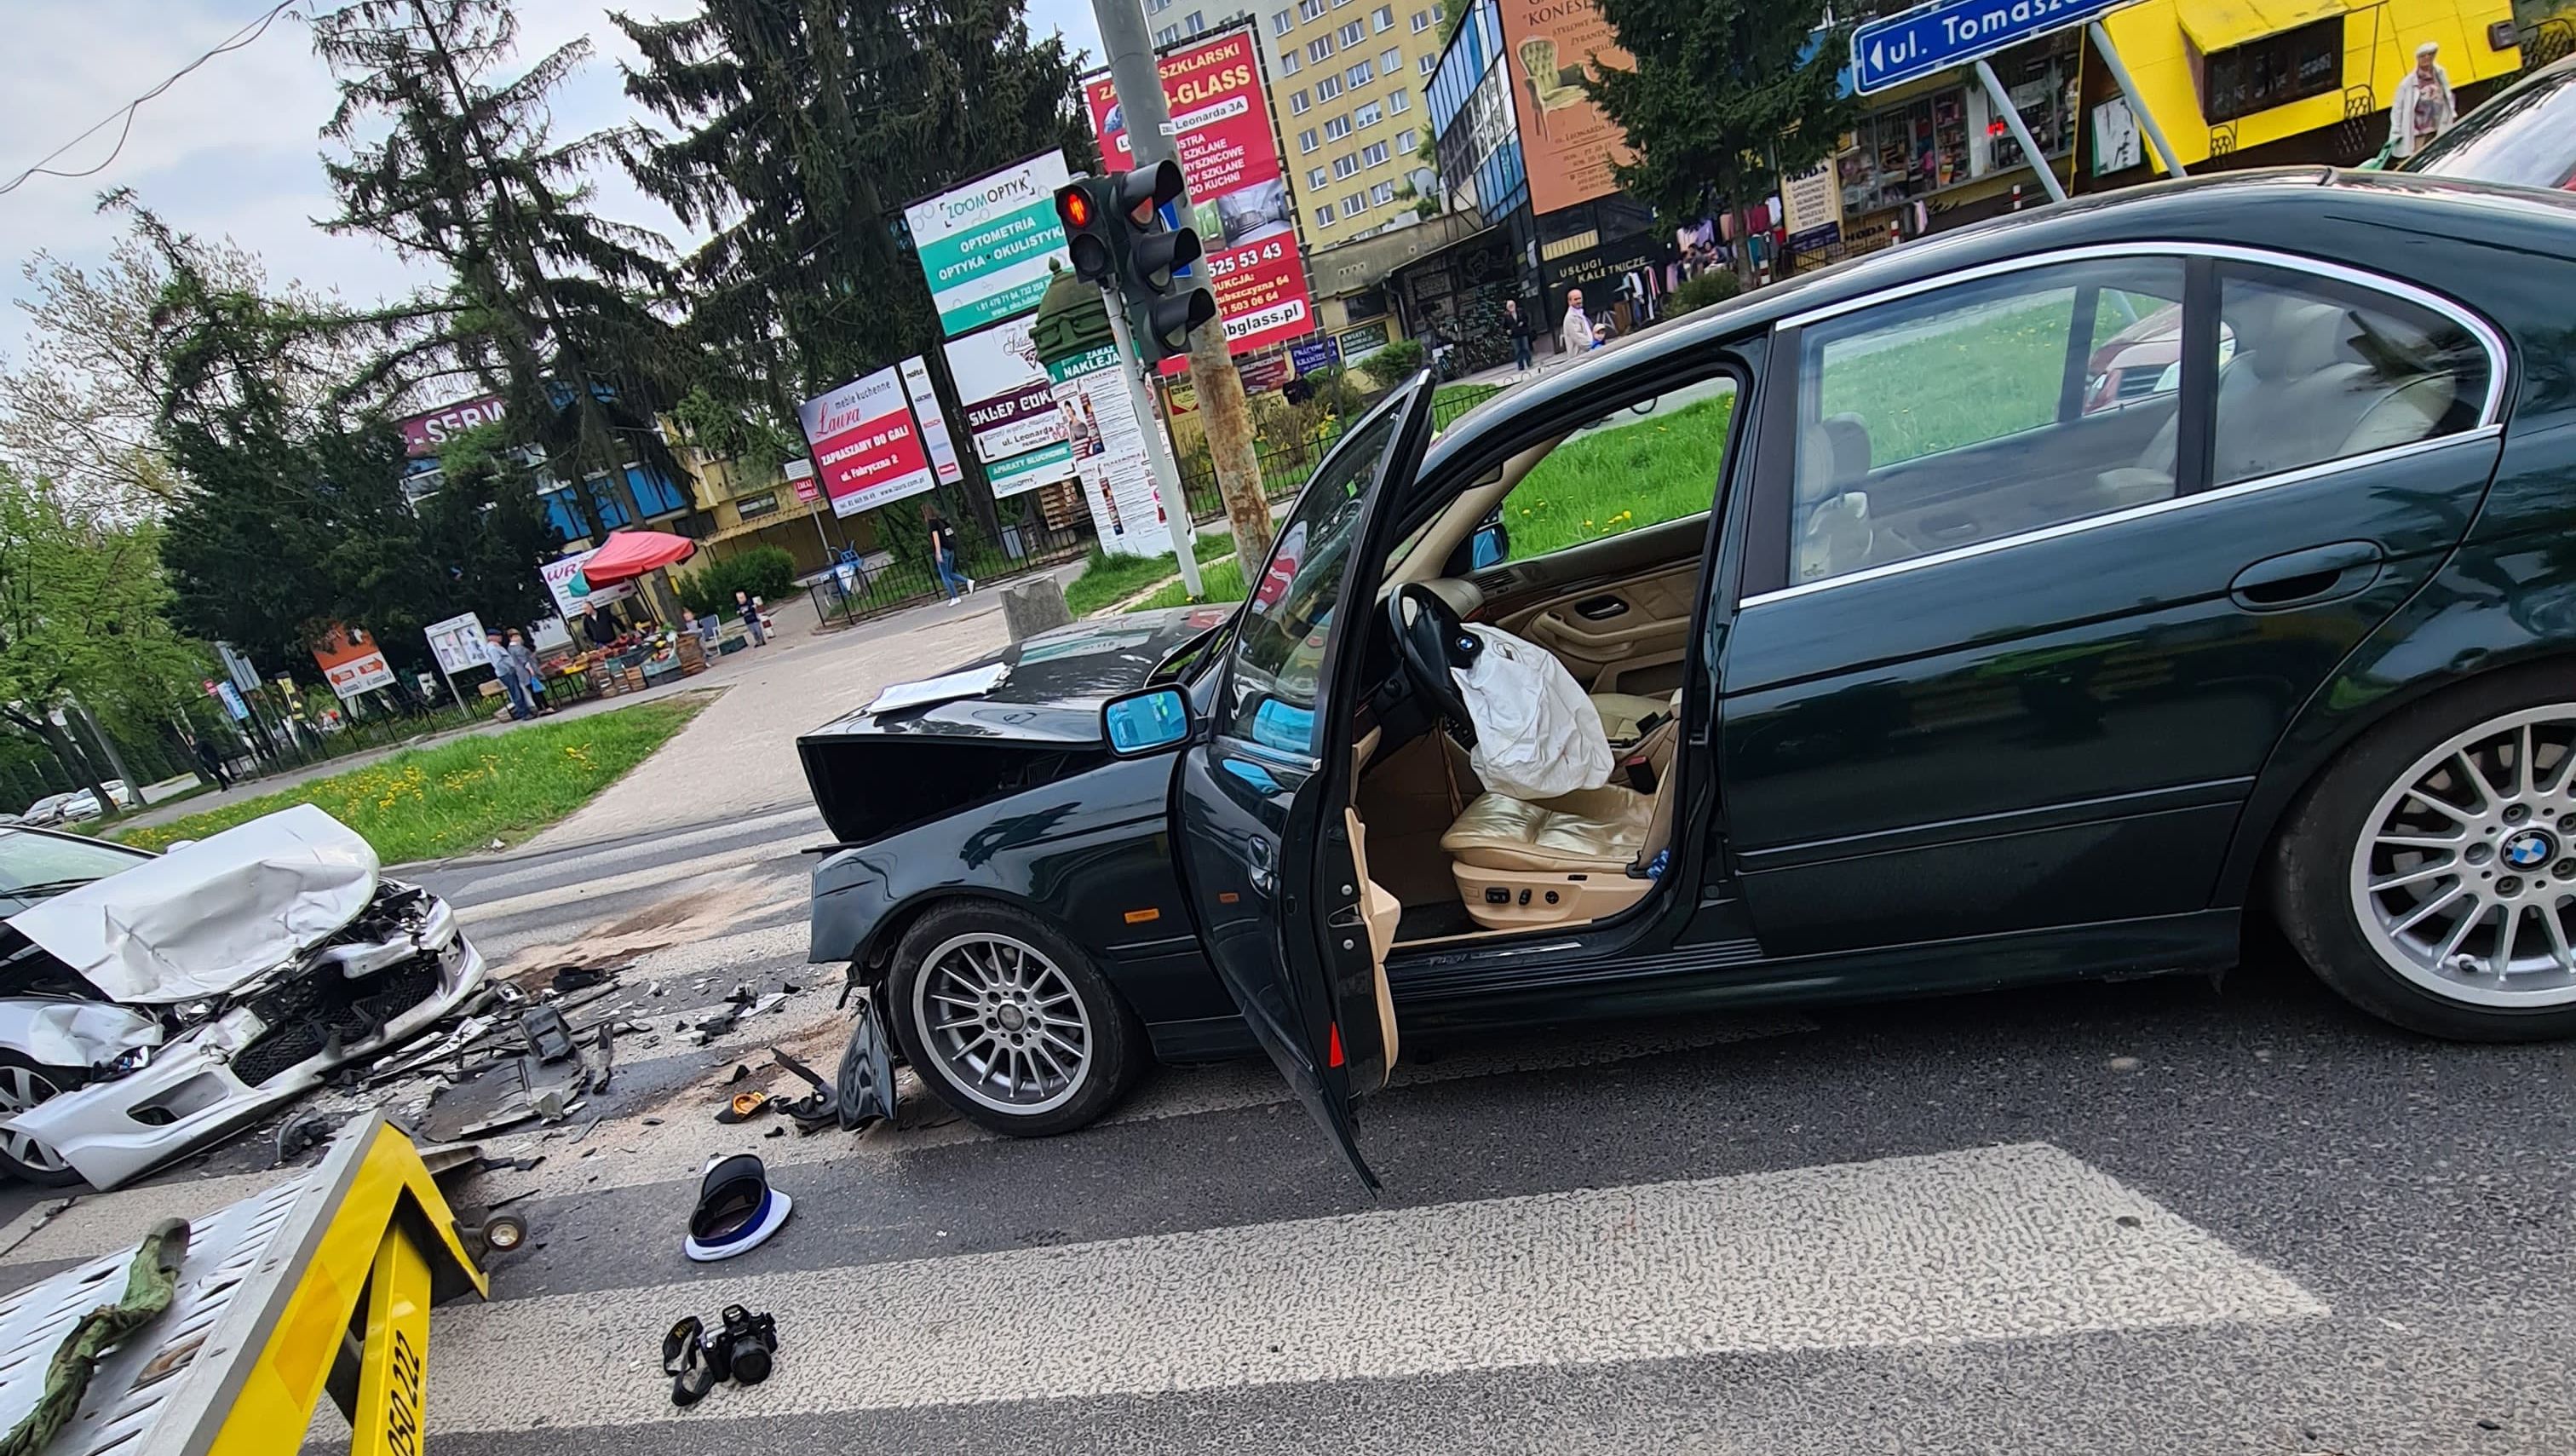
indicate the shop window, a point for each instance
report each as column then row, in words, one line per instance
column 1368, row 303
column 1368, row 115
column 2273, row 71
column 1906, row 151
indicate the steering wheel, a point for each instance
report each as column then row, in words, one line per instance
column 1429, row 641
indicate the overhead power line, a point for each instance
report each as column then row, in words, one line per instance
column 125, row 114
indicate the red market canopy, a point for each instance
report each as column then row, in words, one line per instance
column 630, row 554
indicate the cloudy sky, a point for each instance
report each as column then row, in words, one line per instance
column 233, row 148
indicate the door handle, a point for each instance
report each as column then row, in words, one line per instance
column 2320, row 573
column 1600, row 608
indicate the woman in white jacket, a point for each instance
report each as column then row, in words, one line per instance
column 2422, row 109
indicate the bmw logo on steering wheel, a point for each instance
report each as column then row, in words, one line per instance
column 2528, row 850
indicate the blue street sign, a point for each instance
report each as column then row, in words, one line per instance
column 1945, row 34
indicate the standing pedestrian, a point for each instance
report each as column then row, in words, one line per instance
column 2423, row 109
column 1576, row 330
column 531, row 681
column 1517, row 324
column 506, row 672
column 750, row 619
column 213, row 762
column 943, row 553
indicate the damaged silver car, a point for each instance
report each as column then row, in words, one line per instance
column 151, row 1003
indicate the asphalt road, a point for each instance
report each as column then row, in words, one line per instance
column 2154, row 1216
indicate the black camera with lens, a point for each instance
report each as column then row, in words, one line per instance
column 740, row 1348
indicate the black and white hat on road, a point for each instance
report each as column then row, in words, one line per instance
column 737, row 1209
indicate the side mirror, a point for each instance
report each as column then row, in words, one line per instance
column 1490, row 546
column 1142, row 722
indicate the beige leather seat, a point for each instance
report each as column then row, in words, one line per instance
column 1624, row 715
column 1564, row 860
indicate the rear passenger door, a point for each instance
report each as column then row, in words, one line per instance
column 2045, row 558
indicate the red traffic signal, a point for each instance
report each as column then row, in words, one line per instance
column 1092, row 235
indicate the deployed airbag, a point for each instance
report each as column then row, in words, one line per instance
column 1537, row 735
column 204, row 918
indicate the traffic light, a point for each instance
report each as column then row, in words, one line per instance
column 1114, row 228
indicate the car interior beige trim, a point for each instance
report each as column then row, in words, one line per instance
column 1379, row 912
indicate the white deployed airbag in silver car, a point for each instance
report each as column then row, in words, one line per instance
column 1537, row 734
column 207, row 917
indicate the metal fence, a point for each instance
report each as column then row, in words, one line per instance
column 1289, row 444
column 903, row 576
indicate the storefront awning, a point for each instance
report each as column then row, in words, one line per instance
column 2219, row 25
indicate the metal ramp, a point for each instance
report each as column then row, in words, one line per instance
column 323, row 1283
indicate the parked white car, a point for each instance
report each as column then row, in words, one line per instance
column 151, row 1003
column 47, row 810
column 82, row 805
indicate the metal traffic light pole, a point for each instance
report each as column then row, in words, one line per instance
column 1222, row 407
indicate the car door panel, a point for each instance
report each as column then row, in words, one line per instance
column 1269, row 853
column 1649, row 627
column 2101, row 660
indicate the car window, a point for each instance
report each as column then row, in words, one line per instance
column 2526, row 136
column 1278, row 664
column 37, row 866
column 2324, row 370
column 1985, row 410
column 1656, row 460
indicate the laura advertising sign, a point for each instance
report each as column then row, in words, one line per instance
column 1567, row 142
column 1237, row 187
column 866, row 447
column 424, row 434
column 985, row 246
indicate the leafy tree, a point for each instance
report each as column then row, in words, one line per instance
column 1724, row 97
column 550, row 306
column 486, row 531
column 82, row 619
column 799, row 130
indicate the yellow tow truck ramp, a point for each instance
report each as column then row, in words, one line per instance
column 323, row 1283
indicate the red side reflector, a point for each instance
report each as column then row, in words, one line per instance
column 1333, row 1051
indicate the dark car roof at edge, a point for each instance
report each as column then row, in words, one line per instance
column 2274, row 209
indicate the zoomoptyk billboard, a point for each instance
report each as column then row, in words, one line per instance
column 1238, row 188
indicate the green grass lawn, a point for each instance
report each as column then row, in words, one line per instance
column 1222, row 580
column 427, row 803
column 1633, row 472
column 1106, row 578
column 1976, row 380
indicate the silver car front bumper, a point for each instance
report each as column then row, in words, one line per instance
column 114, row 1130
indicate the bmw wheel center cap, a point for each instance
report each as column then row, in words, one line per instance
column 2528, row 850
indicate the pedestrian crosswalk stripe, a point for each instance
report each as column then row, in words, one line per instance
column 2011, row 1242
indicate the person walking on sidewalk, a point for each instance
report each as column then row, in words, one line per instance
column 213, row 760
column 943, row 553
column 750, row 619
column 531, row 681
column 497, row 653
column 2423, row 108
column 1517, row 324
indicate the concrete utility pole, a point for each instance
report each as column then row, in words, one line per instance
column 1222, row 408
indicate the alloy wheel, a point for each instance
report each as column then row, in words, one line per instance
column 1004, row 1022
column 2464, row 878
column 22, row 1088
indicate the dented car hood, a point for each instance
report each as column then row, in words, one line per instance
column 210, row 916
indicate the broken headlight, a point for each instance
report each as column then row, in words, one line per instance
column 127, row 1062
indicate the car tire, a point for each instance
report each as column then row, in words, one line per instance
column 1008, row 1022
column 2370, row 846
column 24, row 1082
